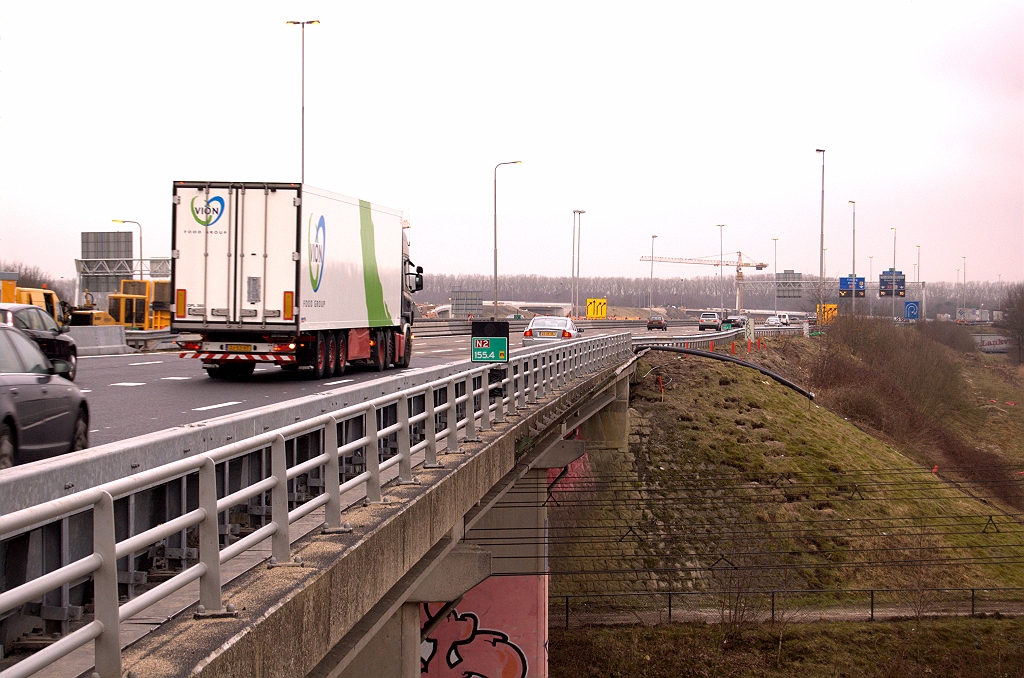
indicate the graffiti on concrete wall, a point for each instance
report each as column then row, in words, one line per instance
column 459, row 648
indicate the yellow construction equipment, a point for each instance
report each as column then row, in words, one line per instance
column 142, row 304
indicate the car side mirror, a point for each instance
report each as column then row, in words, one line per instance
column 64, row 329
column 580, row 330
column 418, row 280
column 60, row 367
column 419, row 269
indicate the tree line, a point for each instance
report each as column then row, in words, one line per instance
column 698, row 292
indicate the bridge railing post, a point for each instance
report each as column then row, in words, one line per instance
column 371, row 455
column 104, row 582
column 470, row 409
column 404, row 440
column 280, row 543
column 332, row 469
column 430, row 427
column 499, row 409
column 209, row 538
column 521, row 366
column 531, row 388
column 485, row 399
column 542, row 374
column 452, row 441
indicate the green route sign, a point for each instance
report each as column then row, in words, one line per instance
column 490, row 350
column 489, row 343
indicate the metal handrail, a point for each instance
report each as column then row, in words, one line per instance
column 531, row 373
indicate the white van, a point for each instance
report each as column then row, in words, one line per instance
column 784, row 318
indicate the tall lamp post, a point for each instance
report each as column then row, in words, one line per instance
column 650, row 294
column 853, row 270
column 776, row 241
column 141, row 260
column 918, row 262
column 721, row 267
column 893, row 272
column 871, row 274
column 494, row 313
column 821, row 246
column 303, row 24
column 576, row 215
column 965, row 281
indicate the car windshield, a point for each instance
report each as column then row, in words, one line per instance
column 709, row 316
column 656, row 317
column 554, row 323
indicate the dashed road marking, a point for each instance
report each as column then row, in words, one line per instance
column 214, row 407
column 343, row 381
column 129, row 383
column 151, row 362
column 442, row 350
column 174, row 378
column 86, row 390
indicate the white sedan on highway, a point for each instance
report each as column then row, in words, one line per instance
column 773, row 321
column 545, row 328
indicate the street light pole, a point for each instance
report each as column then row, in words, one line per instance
column 302, row 171
column 918, row 262
column 142, row 263
column 494, row 313
column 821, row 246
column 776, row 241
column 721, row 267
column 650, row 297
column 893, row 272
column 853, row 306
column 871, row 274
column 573, row 280
column 965, row 281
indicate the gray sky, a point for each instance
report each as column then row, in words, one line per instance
column 655, row 118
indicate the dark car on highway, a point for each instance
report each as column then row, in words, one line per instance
column 657, row 322
column 52, row 338
column 42, row 414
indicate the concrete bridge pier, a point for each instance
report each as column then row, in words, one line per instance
column 484, row 609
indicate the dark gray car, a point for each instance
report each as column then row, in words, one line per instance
column 42, row 414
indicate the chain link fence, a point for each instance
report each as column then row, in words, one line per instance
column 783, row 606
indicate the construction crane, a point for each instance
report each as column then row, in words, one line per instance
column 739, row 264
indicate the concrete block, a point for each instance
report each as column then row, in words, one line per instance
column 100, row 340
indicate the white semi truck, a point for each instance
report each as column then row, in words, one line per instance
column 291, row 275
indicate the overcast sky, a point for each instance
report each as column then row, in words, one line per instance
column 655, row 118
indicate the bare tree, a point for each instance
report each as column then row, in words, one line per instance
column 1013, row 308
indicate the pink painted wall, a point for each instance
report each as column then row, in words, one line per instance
column 498, row 630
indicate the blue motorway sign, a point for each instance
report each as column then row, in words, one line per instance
column 851, row 283
column 911, row 310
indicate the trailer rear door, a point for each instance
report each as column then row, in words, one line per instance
column 234, row 263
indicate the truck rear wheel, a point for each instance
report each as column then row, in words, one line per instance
column 320, row 357
column 332, row 354
column 380, row 352
column 342, row 354
column 407, row 350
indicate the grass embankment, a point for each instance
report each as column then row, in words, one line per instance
column 734, row 481
column 975, row 648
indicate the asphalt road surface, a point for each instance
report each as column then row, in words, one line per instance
column 130, row 395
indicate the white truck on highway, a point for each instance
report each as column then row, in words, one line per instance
column 291, row 275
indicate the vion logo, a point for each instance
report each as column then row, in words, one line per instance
column 208, row 213
column 315, row 237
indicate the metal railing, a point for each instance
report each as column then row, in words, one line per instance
column 783, row 605
column 530, row 375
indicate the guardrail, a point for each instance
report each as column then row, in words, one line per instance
column 529, row 375
column 443, row 327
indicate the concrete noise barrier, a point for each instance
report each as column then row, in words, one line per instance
column 100, row 339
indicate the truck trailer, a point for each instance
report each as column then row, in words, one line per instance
column 291, row 275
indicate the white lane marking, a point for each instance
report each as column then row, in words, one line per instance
column 343, row 381
column 86, row 390
column 174, row 378
column 213, row 407
column 443, row 350
column 96, row 430
column 260, row 369
column 129, row 383
column 151, row 362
